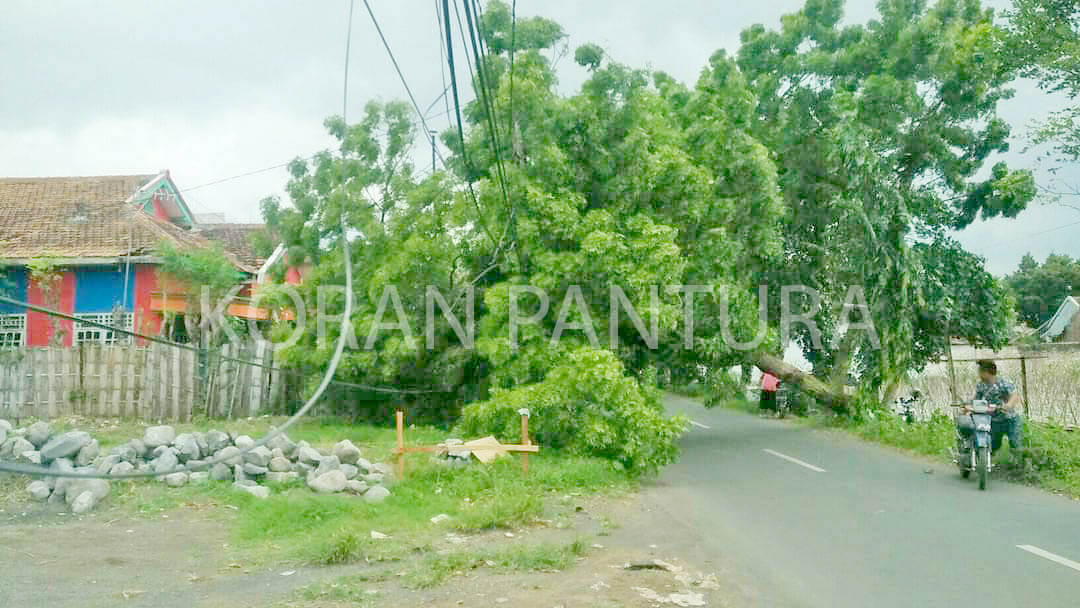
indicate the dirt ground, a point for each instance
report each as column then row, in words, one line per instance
column 182, row 559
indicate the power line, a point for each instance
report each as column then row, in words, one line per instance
column 457, row 112
column 412, row 98
column 247, row 173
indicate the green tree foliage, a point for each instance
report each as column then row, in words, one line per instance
column 1040, row 288
column 880, row 131
column 1044, row 41
column 209, row 269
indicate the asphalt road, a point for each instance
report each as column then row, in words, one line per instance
column 810, row 518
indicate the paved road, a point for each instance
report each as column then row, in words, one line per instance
column 807, row 518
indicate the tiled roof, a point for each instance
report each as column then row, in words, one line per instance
column 82, row 217
column 235, row 239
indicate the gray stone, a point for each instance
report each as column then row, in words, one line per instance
column 39, row 433
column 88, row 453
column 243, row 442
column 346, row 452
column 308, row 455
column 245, row 482
column 125, row 453
column 328, row 482
column 440, row 519
column 221, row 472
column 304, row 468
column 187, row 448
column 6, row 426
column 29, row 457
column 259, row 456
column 230, row 455
column 276, row 453
column 256, row 491
column 175, row 480
column 166, row 462
column 327, row 464
column 121, row 468
column 302, row 444
column 161, row 449
column 39, row 490
column 356, row 487
column 64, row 445
column 98, row 487
column 364, row 465
column 156, row 436
column 350, row 471
column 374, row 478
column 216, row 440
column 139, row 448
column 255, row 470
column 376, row 494
column 281, row 477
column 7, row 447
column 238, row 473
column 3, row 435
column 280, row 464
column 282, row 442
column 383, row 469
column 198, row 477
column 83, row 503
column 107, row 463
column 196, row 465
column 200, row 440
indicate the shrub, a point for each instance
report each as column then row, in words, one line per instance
column 586, row 405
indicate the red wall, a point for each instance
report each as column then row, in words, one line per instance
column 146, row 282
column 38, row 327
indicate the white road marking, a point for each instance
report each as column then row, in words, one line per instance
column 699, row 425
column 795, row 460
column 1068, row 563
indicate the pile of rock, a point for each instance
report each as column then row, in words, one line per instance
column 161, row 450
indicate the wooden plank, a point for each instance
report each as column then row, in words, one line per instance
column 122, row 382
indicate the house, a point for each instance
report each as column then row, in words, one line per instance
column 86, row 246
column 1064, row 326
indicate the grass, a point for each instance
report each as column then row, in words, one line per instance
column 1051, row 457
column 433, row 569
column 333, row 529
column 297, row 525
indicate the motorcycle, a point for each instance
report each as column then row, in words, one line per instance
column 973, row 439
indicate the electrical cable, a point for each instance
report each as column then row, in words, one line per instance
column 416, row 106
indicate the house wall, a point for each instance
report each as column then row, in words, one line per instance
column 145, row 284
column 13, row 285
column 101, row 289
column 1072, row 332
column 39, row 327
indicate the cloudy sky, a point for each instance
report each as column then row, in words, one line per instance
column 214, row 90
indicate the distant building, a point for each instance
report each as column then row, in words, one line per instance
column 1064, row 326
column 99, row 236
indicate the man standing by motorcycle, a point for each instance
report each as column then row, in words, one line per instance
column 1002, row 394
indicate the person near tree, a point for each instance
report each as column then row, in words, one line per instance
column 769, row 386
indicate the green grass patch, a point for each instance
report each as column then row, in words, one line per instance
column 337, row 528
column 434, row 569
column 1050, row 459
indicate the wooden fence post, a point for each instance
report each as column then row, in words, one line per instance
column 1024, row 384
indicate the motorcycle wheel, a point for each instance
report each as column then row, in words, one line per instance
column 984, row 464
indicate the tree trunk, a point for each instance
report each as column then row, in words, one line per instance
column 807, row 382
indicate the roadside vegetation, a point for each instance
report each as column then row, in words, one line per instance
column 295, row 525
column 1051, row 458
